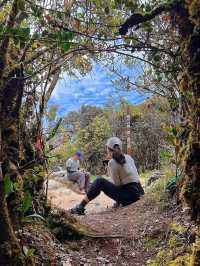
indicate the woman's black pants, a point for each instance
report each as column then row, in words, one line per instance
column 125, row 194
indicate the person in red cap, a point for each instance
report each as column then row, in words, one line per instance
column 74, row 174
column 125, row 188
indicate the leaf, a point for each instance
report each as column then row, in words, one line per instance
column 20, row 35
column 25, row 250
column 37, row 12
column 170, row 139
column 16, row 186
column 27, row 202
column 29, row 71
column 174, row 131
column 1, row 28
column 66, row 36
column 55, row 129
column 25, row 32
column 148, row 8
column 65, row 47
column 21, row 4
column 28, row 252
column 8, row 186
column 16, row 41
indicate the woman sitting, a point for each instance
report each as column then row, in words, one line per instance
column 125, row 189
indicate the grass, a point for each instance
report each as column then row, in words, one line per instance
column 156, row 194
column 145, row 175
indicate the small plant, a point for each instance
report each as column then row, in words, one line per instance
column 161, row 259
column 26, row 202
column 157, row 194
column 10, row 186
column 28, row 252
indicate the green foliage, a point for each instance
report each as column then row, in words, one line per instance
column 71, row 148
column 90, row 127
column 177, row 228
column 62, row 38
column 149, row 242
column 28, row 252
column 145, row 175
column 178, row 251
column 26, row 202
column 54, row 130
column 8, row 185
column 92, row 142
column 161, row 259
column 62, row 153
column 171, row 133
column 34, row 175
column 165, row 157
column 20, row 35
column 156, row 193
column 21, row 4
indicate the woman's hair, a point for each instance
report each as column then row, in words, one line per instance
column 117, row 155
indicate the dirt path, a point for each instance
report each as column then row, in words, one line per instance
column 142, row 234
column 143, row 228
column 145, row 231
column 64, row 197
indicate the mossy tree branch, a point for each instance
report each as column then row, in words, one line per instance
column 6, row 40
column 3, row 3
column 138, row 18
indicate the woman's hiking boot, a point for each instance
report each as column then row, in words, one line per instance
column 78, row 210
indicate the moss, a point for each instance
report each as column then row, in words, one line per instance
column 177, row 228
column 180, row 261
column 194, row 10
column 156, row 193
column 162, row 258
column 185, row 194
column 149, row 242
column 74, row 246
column 65, row 227
column 176, row 253
column 183, row 86
column 195, row 257
column 173, row 241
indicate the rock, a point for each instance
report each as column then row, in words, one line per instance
column 156, row 175
column 102, row 259
column 53, row 184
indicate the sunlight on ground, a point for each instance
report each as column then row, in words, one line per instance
column 65, row 194
column 64, row 197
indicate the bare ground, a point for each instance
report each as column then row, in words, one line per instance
column 143, row 230
column 66, row 196
column 132, row 235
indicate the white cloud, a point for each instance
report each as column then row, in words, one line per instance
column 93, row 89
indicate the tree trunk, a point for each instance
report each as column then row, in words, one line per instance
column 10, row 103
column 10, row 253
column 189, row 137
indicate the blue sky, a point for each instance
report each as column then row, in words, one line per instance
column 93, row 89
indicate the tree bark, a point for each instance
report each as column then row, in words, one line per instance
column 51, row 87
column 10, row 252
column 189, row 140
column 10, row 103
column 186, row 14
column 6, row 40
